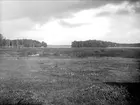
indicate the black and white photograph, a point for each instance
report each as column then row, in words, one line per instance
column 69, row 52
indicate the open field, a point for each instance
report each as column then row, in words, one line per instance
column 59, row 77
column 125, row 52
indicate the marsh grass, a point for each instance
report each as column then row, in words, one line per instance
column 68, row 81
column 20, row 97
column 94, row 95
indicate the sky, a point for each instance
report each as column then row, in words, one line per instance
column 59, row 22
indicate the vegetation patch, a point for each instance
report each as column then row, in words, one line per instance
column 20, row 97
column 94, row 95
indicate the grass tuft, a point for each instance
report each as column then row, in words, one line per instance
column 19, row 97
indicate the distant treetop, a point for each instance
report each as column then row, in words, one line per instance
column 21, row 43
column 99, row 43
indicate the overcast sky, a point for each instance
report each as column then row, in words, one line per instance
column 60, row 22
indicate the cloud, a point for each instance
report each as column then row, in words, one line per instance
column 69, row 25
column 36, row 10
column 123, row 8
column 101, row 22
column 53, row 32
column 11, row 29
column 41, row 10
column 124, row 29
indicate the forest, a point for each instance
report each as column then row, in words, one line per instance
column 99, row 43
column 20, row 42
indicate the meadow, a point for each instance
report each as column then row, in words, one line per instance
column 69, row 76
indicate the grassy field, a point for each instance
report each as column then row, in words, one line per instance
column 69, row 76
column 83, row 52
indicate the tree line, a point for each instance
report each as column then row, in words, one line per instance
column 93, row 43
column 99, row 43
column 20, row 42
